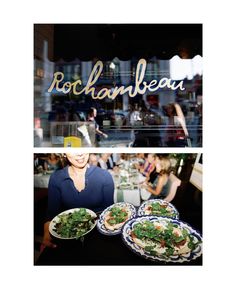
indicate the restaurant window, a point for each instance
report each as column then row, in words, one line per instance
column 77, row 71
column 152, row 69
column 119, row 70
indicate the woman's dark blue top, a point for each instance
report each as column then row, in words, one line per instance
column 97, row 194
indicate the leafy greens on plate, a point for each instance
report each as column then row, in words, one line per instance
column 74, row 224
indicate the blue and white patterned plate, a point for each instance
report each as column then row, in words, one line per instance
column 100, row 224
column 128, row 240
column 144, row 205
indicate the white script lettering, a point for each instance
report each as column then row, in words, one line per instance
column 152, row 86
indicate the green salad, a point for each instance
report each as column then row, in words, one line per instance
column 74, row 224
column 164, row 240
column 117, row 215
column 163, row 209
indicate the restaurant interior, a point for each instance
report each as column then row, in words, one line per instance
column 128, row 175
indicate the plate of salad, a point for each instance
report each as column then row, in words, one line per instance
column 158, row 207
column 162, row 239
column 114, row 217
column 73, row 223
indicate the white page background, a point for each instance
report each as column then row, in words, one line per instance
column 18, row 273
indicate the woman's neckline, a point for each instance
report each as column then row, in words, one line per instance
column 77, row 171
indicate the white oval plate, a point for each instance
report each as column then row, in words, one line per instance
column 56, row 220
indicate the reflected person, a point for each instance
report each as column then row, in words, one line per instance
column 92, row 118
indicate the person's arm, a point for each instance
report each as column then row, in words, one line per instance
column 150, row 171
column 142, row 168
column 108, row 189
column 54, row 202
column 45, row 166
column 147, row 179
column 101, row 133
column 157, row 190
column 181, row 118
column 137, row 166
column 47, row 240
column 102, row 164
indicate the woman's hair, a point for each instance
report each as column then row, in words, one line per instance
column 125, row 157
column 58, row 158
column 165, row 165
column 170, row 110
column 146, row 155
column 64, row 161
column 153, row 155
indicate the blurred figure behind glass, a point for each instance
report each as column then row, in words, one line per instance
column 177, row 132
column 92, row 114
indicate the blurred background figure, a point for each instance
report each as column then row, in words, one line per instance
column 124, row 157
column 93, row 160
column 39, row 164
column 148, row 166
column 139, row 160
column 111, row 163
column 102, row 161
column 152, row 175
column 53, row 162
column 116, row 158
column 161, row 185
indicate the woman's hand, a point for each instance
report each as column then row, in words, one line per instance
column 145, row 185
column 141, row 170
column 47, row 240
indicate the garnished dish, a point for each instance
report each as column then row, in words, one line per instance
column 162, row 238
column 113, row 218
column 158, row 207
column 73, row 223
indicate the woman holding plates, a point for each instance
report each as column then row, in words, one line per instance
column 78, row 185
